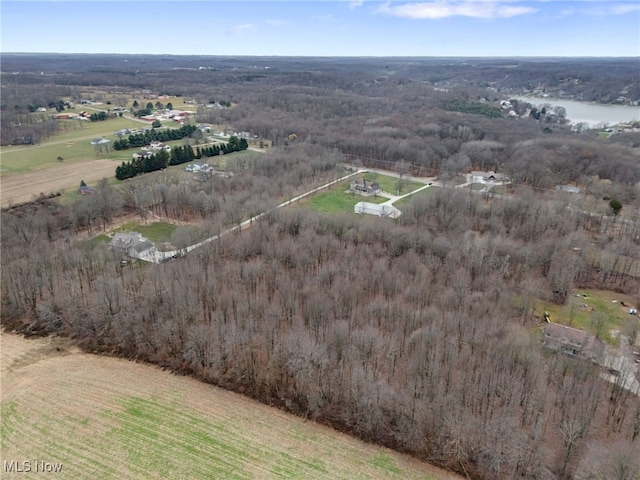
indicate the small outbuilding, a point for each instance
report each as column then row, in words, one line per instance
column 142, row 154
column 567, row 189
column 377, row 209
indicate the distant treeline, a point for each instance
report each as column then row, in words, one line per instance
column 141, row 139
column 179, row 155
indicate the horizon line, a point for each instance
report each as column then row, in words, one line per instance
column 319, row 56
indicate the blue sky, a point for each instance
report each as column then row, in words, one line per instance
column 325, row 28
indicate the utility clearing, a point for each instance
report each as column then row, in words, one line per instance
column 103, row 417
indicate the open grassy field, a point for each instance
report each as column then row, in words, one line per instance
column 591, row 310
column 337, row 199
column 31, row 158
column 105, row 96
column 28, row 171
column 233, row 160
column 109, row 418
column 22, row 188
column 422, row 193
column 72, row 144
column 156, row 231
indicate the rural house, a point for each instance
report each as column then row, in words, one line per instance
column 86, row 190
column 573, row 342
column 365, row 187
column 199, row 167
column 155, row 145
column 132, row 244
column 479, row 176
column 142, row 154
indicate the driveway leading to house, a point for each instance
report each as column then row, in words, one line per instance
column 156, row 256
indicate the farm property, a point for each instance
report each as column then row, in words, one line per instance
column 599, row 312
column 24, row 187
column 337, row 199
column 107, row 418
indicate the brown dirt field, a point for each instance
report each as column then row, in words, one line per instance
column 24, row 187
column 104, row 417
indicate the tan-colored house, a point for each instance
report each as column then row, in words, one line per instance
column 573, row 342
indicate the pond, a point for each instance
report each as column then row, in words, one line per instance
column 593, row 114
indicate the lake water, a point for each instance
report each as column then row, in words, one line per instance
column 592, row 114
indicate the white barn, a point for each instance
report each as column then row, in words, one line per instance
column 377, row 209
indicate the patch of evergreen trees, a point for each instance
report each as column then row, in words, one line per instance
column 141, row 139
column 142, row 165
column 179, row 155
column 235, row 145
column 95, row 117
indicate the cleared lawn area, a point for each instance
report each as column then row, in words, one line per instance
column 28, row 171
column 156, row 231
column 72, row 129
column 591, row 310
column 336, row 199
column 110, row 418
column 72, row 145
column 422, row 193
column 391, row 184
column 24, row 187
column 32, row 158
column 232, row 160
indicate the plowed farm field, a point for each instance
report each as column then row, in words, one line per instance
column 92, row 417
column 25, row 187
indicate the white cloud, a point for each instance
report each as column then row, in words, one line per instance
column 355, row 4
column 599, row 8
column 446, row 8
column 622, row 8
column 276, row 23
column 245, row 27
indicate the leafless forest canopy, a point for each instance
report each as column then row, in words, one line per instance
column 418, row 333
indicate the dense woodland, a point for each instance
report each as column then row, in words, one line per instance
column 419, row 333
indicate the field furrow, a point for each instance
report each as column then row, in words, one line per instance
column 109, row 418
